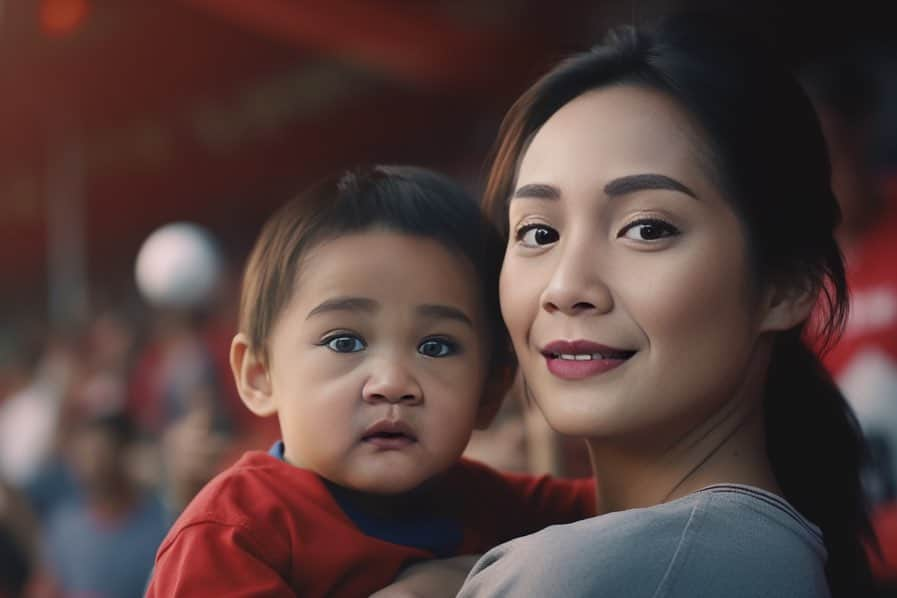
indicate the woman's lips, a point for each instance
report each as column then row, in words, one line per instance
column 575, row 360
column 389, row 435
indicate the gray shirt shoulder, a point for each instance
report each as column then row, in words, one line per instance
column 727, row 540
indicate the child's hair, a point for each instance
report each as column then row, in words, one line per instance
column 402, row 199
column 768, row 156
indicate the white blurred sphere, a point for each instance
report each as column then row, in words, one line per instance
column 178, row 266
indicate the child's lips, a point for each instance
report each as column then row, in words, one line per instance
column 389, row 435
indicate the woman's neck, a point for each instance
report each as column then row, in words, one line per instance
column 727, row 447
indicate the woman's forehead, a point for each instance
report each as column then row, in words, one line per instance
column 616, row 131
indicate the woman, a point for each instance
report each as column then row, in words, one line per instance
column 669, row 220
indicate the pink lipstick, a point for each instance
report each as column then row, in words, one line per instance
column 575, row 360
column 389, row 435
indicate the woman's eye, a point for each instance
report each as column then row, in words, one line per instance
column 345, row 343
column 437, row 348
column 536, row 235
column 648, row 230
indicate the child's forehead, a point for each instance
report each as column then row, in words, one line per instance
column 386, row 265
column 414, row 252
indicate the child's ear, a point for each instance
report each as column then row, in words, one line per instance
column 788, row 303
column 252, row 377
column 494, row 392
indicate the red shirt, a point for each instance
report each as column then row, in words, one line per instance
column 864, row 361
column 266, row 528
column 872, row 280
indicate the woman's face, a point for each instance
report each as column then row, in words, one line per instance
column 626, row 285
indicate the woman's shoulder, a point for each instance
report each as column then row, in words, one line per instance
column 759, row 513
column 733, row 516
column 723, row 540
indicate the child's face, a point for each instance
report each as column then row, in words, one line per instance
column 377, row 364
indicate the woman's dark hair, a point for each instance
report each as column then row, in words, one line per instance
column 403, row 199
column 768, row 157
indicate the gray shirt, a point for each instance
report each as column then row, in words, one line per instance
column 725, row 540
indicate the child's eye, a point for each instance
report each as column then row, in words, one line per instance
column 344, row 343
column 536, row 235
column 437, row 347
column 649, row 229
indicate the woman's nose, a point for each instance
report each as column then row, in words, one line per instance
column 576, row 285
column 392, row 383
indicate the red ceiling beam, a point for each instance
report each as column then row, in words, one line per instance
column 407, row 42
column 138, row 60
column 237, row 186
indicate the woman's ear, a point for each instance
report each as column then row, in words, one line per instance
column 494, row 392
column 787, row 304
column 252, row 377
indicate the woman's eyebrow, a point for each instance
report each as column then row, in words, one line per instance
column 620, row 186
column 641, row 182
column 537, row 191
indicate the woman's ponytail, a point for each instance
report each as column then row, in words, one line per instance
column 816, row 449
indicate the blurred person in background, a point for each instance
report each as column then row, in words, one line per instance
column 847, row 91
column 37, row 368
column 98, row 363
column 175, row 374
column 175, row 399
column 102, row 542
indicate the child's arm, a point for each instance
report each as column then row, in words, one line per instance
column 216, row 559
column 431, row 579
column 503, row 506
column 549, row 500
column 499, row 507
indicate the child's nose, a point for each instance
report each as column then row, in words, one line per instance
column 392, row 383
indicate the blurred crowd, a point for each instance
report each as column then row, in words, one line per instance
column 106, row 431
column 108, row 428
